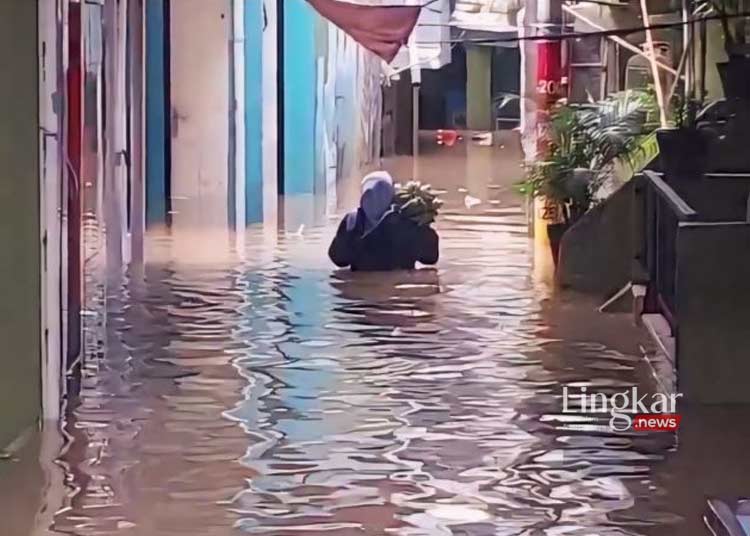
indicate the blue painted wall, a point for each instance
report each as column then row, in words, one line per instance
column 156, row 115
column 299, row 97
column 254, row 111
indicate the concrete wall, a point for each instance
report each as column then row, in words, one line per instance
column 442, row 95
column 596, row 255
column 479, row 88
column 717, row 199
column 714, row 54
column 257, row 101
column 398, row 115
column 116, row 197
column 713, row 311
column 50, row 208
column 136, row 27
column 348, row 112
column 332, row 110
column 528, row 126
column 20, row 274
column 331, row 96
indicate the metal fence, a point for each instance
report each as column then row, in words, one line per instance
column 662, row 210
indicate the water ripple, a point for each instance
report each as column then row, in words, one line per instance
column 275, row 396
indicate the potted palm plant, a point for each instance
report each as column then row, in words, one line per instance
column 585, row 141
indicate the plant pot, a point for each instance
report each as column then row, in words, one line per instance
column 735, row 77
column 683, row 152
column 578, row 183
column 555, row 232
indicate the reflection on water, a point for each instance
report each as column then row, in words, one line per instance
column 266, row 393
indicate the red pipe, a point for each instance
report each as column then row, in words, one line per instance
column 549, row 86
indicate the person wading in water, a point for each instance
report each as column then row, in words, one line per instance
column 377, row 237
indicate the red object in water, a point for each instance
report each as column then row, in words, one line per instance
column 447, row 137
column 380, row 29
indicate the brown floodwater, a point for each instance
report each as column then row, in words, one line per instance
column 245, row 386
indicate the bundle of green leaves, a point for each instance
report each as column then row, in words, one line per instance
column 418, row 202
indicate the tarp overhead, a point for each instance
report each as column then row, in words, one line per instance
column 382, row 29
column 430, row 43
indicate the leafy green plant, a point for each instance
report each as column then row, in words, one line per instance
column 684, row 112
column 418, row 202
column 590, row 137
column 612, row 129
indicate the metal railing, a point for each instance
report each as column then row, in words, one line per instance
column 662, row 210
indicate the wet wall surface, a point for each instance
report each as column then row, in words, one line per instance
column 258, row 390
column 20, row 276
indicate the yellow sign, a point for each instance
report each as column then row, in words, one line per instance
column 548, row 211
column 647, row 151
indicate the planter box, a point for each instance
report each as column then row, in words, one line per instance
column 735, row 77
column 683, row 151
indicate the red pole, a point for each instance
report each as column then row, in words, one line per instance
column 548, row 92
column 549, row 65
column 548, row 87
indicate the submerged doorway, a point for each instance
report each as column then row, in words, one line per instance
column 201, row 32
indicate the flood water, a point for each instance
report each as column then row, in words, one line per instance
column 258, row 390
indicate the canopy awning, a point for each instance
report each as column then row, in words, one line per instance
column 380, row 28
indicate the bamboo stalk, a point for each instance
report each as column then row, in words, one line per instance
column 682, row 65
column 654, row 66
column 704, row 38
column 619, row 40
column 687, row 34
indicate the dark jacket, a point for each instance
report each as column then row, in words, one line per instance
column 396, row 243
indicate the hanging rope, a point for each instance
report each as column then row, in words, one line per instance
column 577, row 35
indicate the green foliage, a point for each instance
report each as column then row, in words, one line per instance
column 612, row 129
column 684, row 111
column 418, row 202
column 590, row 137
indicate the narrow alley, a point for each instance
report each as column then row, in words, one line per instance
column 183, row 355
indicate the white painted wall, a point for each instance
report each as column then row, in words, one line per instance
column 50, row 209
column 201, row 35
column 348, row 114
column 115, row 189
column 238, row 49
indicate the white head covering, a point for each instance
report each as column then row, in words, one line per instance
column 376, row 200
column 377, row 176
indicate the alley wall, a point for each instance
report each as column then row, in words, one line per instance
column 20, row 275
